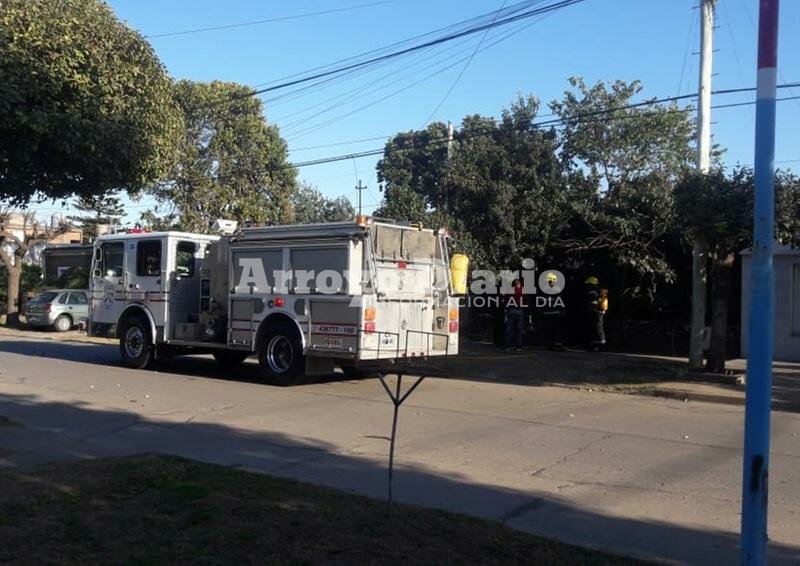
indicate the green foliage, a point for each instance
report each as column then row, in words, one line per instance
column 311, row 206
column 30, row 282
column 719, row 209
column 621, row 145
column 98, row 209
column 231, row 163
column 75, row 278
column 85, row 105
column 503, row 191
column 634, row 156
column 597, row 192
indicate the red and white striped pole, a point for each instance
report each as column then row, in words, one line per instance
column 760, row 331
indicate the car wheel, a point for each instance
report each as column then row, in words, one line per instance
column 280, row 353
column 230, row 358
column 135, row 343
column 63, row 323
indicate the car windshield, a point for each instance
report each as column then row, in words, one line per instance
column 44, row 298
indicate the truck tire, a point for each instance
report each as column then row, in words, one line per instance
column 63, row 323
column 230, row 358
column 280, row 353
column 135, row 342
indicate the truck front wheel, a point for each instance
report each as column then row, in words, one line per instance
column 280, row 353
column 135, row 342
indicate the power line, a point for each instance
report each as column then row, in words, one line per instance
column 475, row 29
column 312, row 129
column 464, row 24
column 537, row 125
column 268, row 20
column 556, row 121
column 464, row 68
column 361, row 91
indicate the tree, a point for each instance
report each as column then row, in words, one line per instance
column 719, row 209
column 634, row 156
column 231, row 163
column 503, row 190
column 19, row 232
column 85, row 105
column 311, row 206
column 99, row 209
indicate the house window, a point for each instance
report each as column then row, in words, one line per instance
column 148, row 258
column 796, row 299
column 184, row 261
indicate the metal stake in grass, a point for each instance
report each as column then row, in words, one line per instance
column 397, row 400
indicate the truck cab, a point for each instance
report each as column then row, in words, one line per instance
column 153, row 276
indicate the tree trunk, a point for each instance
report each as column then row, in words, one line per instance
column 722, row 265
column 12, row 294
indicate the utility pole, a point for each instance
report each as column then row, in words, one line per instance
column 359, row 188
column 755, row 481
column 449, row 159
column 700, row 249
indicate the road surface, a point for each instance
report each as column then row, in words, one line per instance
column 642, row 476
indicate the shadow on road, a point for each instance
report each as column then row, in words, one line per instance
column 98, row 433
column 476, row 362
column 108, row 355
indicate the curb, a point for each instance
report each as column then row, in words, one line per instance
column 686, row 395
column 79, row 339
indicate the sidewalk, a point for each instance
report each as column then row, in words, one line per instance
column 53, row 336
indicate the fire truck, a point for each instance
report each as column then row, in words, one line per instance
column 301, row 298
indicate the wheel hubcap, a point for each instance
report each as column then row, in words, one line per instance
column 280, row 354
column 134, row 342
column 63, row 324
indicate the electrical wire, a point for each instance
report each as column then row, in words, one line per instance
column 313, row 128
column 462, row 25
column 463, row 69
column 436, row 41
column 537, row 125
column 267, row 20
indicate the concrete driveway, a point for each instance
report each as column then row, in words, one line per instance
column 647, row 477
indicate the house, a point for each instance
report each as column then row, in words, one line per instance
column 19, row 226
column 786, row 263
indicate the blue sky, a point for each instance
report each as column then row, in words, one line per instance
column 654, row 41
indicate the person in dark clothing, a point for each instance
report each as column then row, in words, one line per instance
column 595, row 314
column 515, row 317
column 553, row 316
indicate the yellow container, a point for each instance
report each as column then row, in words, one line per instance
column 459, row 265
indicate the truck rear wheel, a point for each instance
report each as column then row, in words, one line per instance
column 230, row 358
column 135, row 342
column 280, row 353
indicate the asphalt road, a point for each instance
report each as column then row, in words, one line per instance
column 643, row 476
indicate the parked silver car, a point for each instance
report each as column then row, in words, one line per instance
column 60, row 309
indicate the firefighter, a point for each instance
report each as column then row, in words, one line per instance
column 553, row 316
column 596, row 306
column 514, row 317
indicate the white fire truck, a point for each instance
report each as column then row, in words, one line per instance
column 302, row 298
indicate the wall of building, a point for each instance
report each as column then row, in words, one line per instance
column 787, row 303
